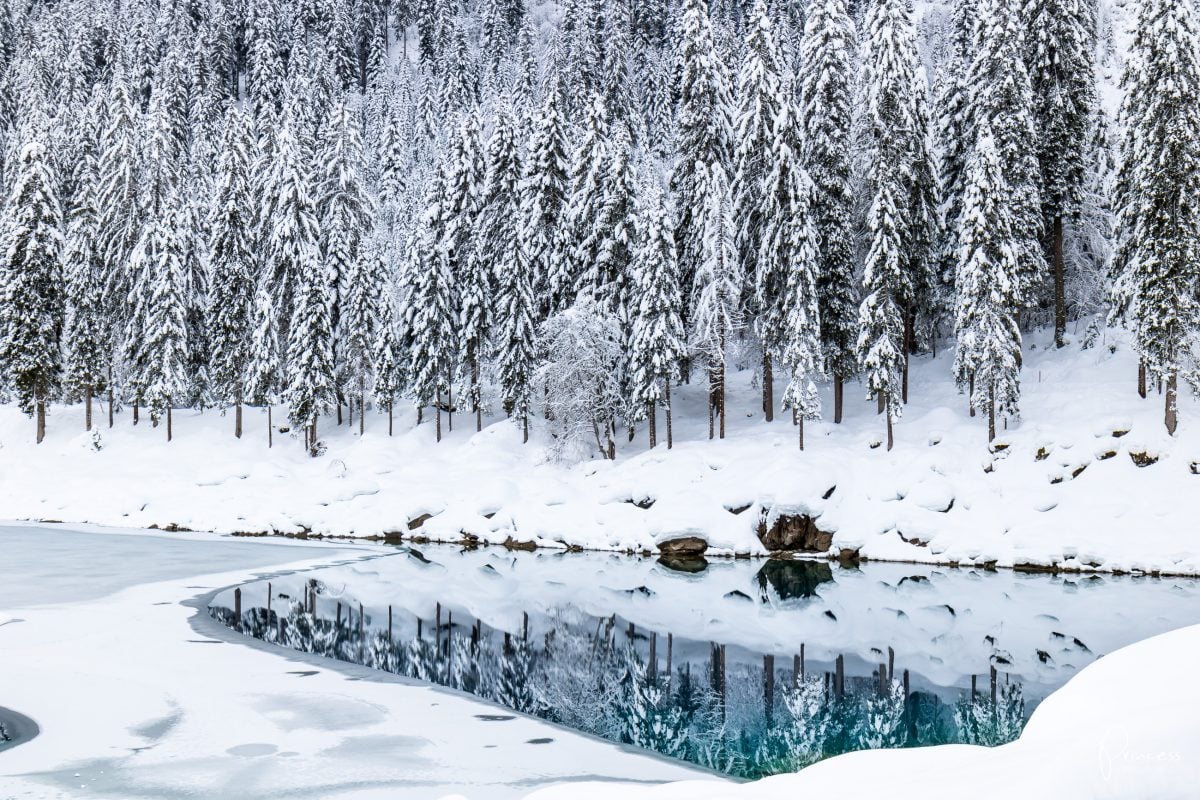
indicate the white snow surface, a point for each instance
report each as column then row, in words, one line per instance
column 138, row 695
column 1123, row 729
column 1112, row 516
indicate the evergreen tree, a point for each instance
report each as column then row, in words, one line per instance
column 264, row 370
column 702, row 136
column 761, row 97
column 1003, row 97
column 658, row 340
column 544, row 198
column 575, row 250
column 164, row 375
column 1062, row 76
column 788, row 263
column 389, row 368
column 231, row 254
column 1158, row 197
column 31, row 316
column 86, row 335
column 825, row 81
column 988, row 357
column 717, row 290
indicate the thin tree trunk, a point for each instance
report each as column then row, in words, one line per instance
column 525, row 428
column 237, row 414
column 1060, row 282
column 670, row 432
column 890, row 438
column 339, row 408
column 87, row 407
column 839, row 389
column 475, row 395
column 450, row 408
column 170, row 430
column 652, row 423
column 721, row 397
column 879, row 402
column 768, row 387
column 1171, row 412
column 437, row 410
column 270, row 429
column 908, row 343
column 992, row 413
column 135, row 410
column 1142, row 379
column 110, row 401
column 610, row 431
column 971, row 393
column 711, row 429
column 313, row 445
column 390, row 404
column 800, row 426
column 362, row 406
column 41, row 419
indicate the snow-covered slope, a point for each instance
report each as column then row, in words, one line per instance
column 1066, row 491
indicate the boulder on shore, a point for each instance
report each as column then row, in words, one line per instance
column 792, row 533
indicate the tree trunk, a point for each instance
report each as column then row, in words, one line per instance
column 908, row 345
column 610, row 431
column 437, row 410
column 362, row 406
column 880, row 398
column 890, row 438
column 390, row 404
column 1142, row 379
column 670, row 432
column 971, row 393
column 1060, row 282
column 313, row 445
column 992, row 413
column 450, row 408
column 721, row 397
column 270, row 429
column 41, row 419
column 110, row 402
column 525, row 428
column 1171, row 412
column 237, row 414
column 652, row 423
column 135, row 410
column 169, row 429
column 768, row 388
column 339, row 409
column 711, row 429
column 475, row 395
column 839, row 389
column 87, row 408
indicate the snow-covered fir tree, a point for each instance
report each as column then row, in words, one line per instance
column 1158, row 197
column 31, row 316
column 988, row 356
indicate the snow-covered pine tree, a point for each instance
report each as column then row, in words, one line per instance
column 1158, row 194
column 468, row 266
column 760, row 98
column 86, row 336
column 1061, row 43
column 717, row 287
column 658, row 343
column 264, row 370
column 575, row 248
column 1001, row 94
column 31, row 316
column 826, row 80
column 881, row 323
column 361, row 318
column 231, row 256
column 432, row 324
column 387, row 357
column 955, row 132
column 788, row 264
column 988, row 355
column 607, row 277
column 702, row 136
column 346, row 211
column 503, row 238
column 896, row 131
column 164, row 375
column 544, row 195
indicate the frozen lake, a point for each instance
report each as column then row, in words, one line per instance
column 747, row 667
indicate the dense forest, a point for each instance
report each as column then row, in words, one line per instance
column 561, row 209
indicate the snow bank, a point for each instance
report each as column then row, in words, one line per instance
column 1087, row 479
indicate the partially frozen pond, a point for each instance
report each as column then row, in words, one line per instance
column 747, row 667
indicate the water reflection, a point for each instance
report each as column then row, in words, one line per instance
column 720, row 706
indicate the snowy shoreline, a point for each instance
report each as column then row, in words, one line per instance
column 1088, row 480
